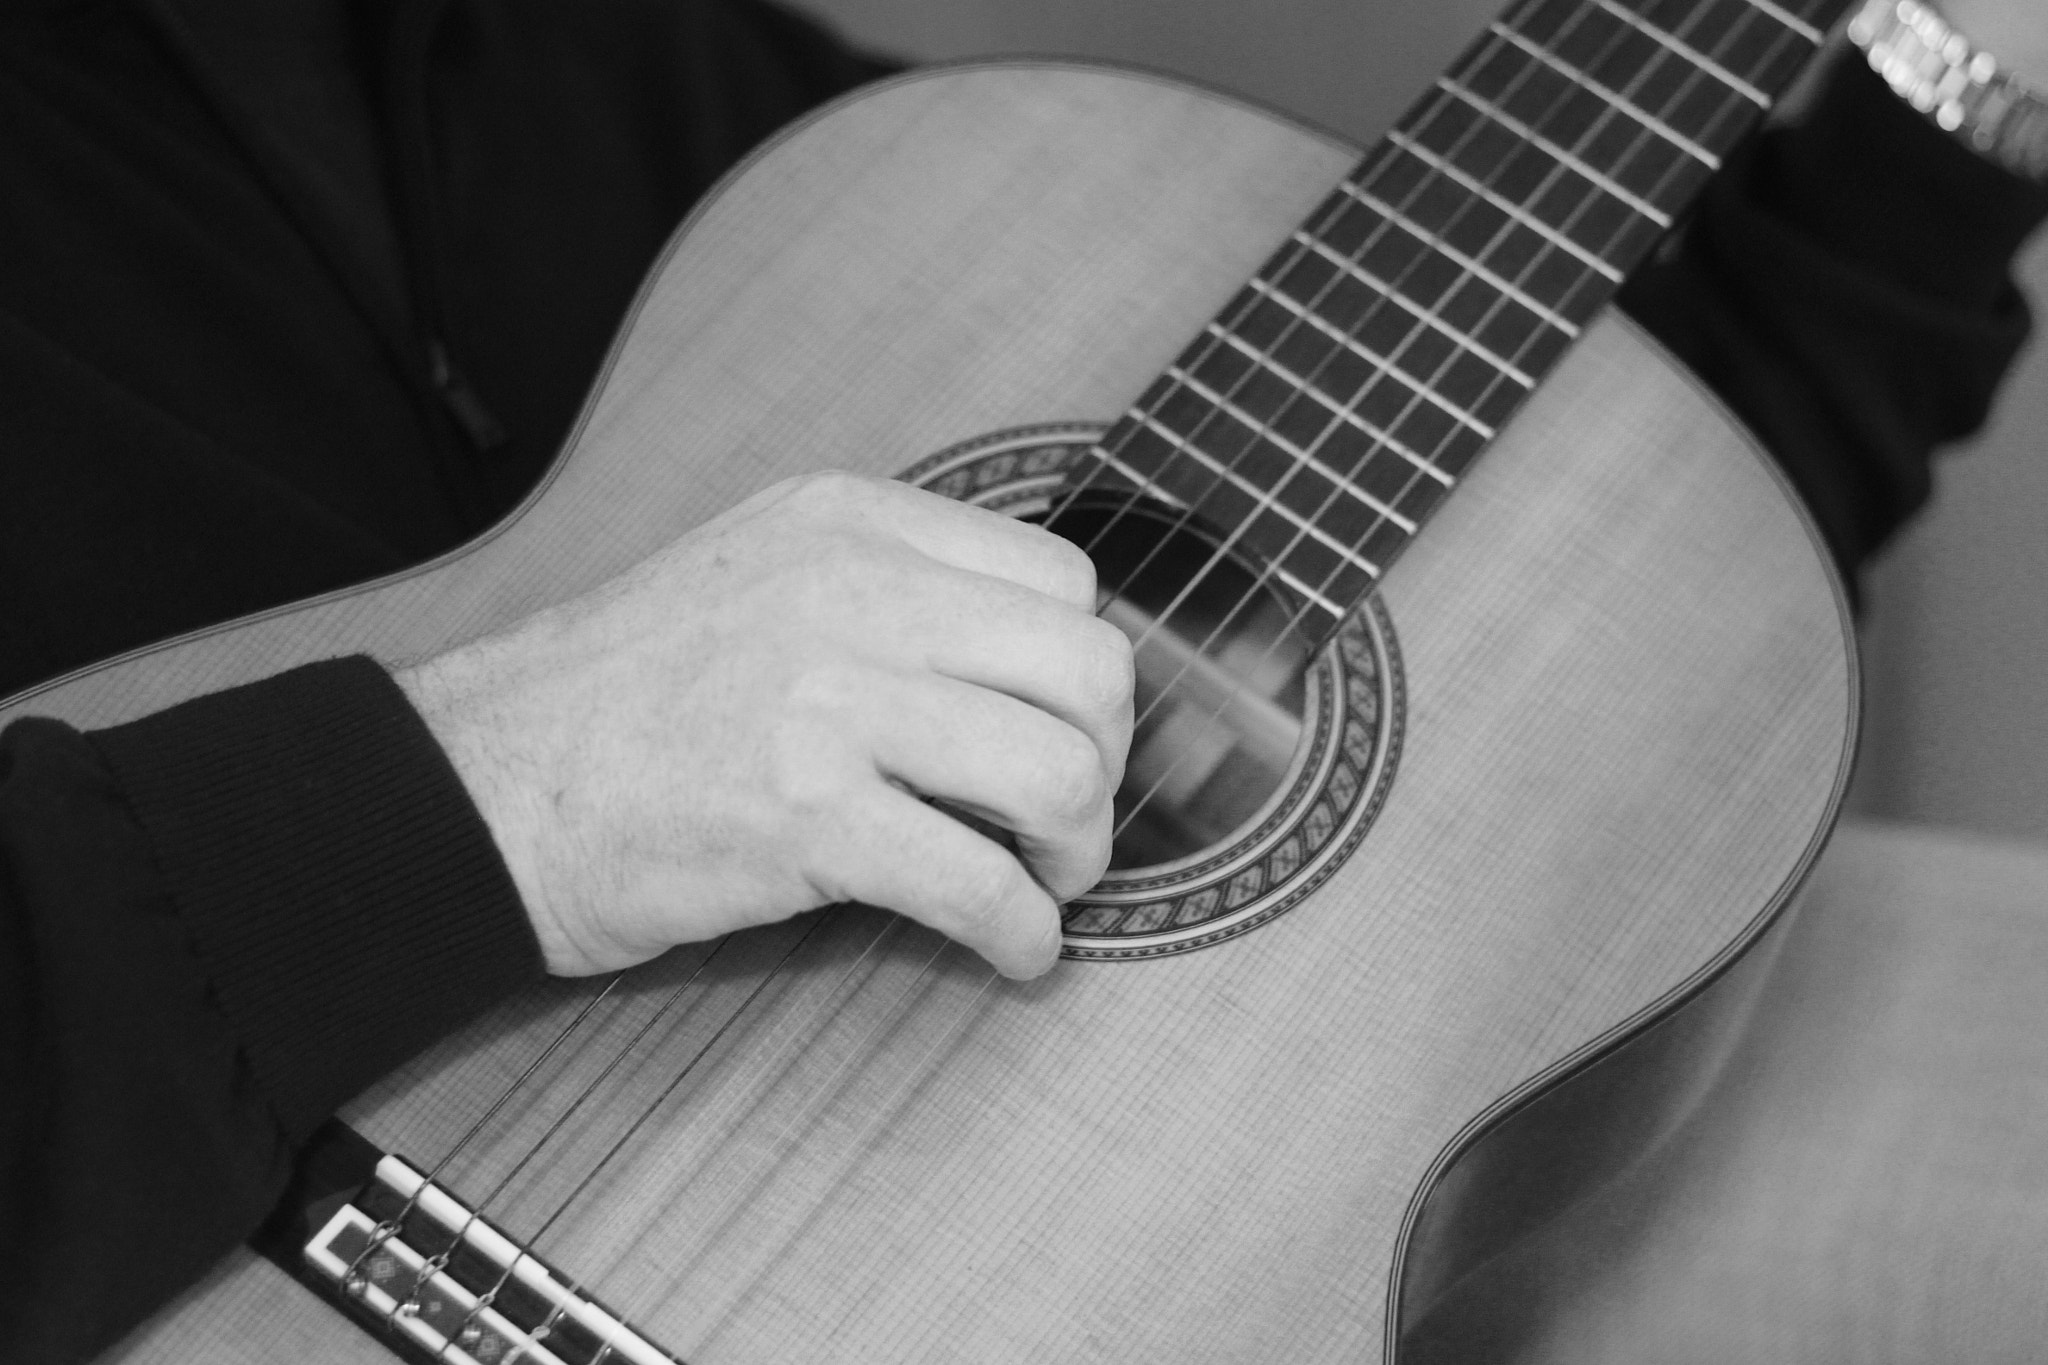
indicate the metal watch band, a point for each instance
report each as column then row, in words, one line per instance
column 1937, row 70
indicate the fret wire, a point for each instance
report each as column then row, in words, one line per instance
column 1137, row 419
column 1315, row 320
column 1470, row 265
column 1730, row 112
column 1427, row 315
column 1685, row 50
column 1627, row 99
column 1378, row 231
column 1641, row 94
column 1599, row 179
column 1789, row 20
column 1267, row 499
column 1424, row 391
column 1282, row 574
column 1507, row 206
column 1548, row 273
column 1381, row 441
column 1617, row 107
column 1644, row 129
column 1786, row 19
column 1788, row 29
column 1344, row 411
column 1146, row 483
column 1694, row 30
column 1305, row 456
column 1262, row 502
column 1560, row 235
column 1784, row 36
column 1309, row 593
column 1822, row 14
column 1415, row 394
column 1385, row 367
column 1695, row 72
column 1371, row 281
column 1645, row 89
column 1272, row 566
column 1694, row 75
column 1536, row 226
column 1350, row 188
column 1296, row 252
column 1521, row 44
column 1512, row 212
column 1433, row 243
column 1612, row 109
column 1380, row 451
column 1549, row 180
column 1750, row 24
column 1613, row 97
column 1105, row 459
column 1647, row 127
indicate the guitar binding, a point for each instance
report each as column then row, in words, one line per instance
column 1216, row 878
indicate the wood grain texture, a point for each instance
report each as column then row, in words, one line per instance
column 1631, row 704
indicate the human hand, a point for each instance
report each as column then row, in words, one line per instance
column 742, row 727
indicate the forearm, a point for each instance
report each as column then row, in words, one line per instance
column 220, row 923
column 1846, row 289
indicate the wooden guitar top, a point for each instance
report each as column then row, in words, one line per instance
column 1626, row 715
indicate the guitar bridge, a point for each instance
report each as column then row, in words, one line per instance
column 436, row 1282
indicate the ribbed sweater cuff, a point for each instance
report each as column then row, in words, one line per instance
column 1872, row 180
column 339, row 885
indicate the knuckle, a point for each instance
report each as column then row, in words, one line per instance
column 818, row 740
column 1067, row 786
column 1091, row 859
column 835, row 584
column 812, row 793
column 826, row 483
column 831, row 691
column 829, row 491
column 982, row 892
column 1069, row 571
column 1107, row 669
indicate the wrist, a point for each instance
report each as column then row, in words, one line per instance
column 346, row 902
column 466, row 712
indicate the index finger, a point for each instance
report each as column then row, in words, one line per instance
column 981, row 541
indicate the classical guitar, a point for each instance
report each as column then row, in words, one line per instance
column 1495, row 696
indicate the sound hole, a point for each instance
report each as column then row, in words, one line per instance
column 1219, row 700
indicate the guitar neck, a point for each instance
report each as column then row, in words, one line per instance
column 1334, row 403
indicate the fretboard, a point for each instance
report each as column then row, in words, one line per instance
column 1341, row 396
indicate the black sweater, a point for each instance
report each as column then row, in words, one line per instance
column 242, row 362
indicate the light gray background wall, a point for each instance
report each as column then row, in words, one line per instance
column 1958, row 639
column 1957, row 630
column 1350, row 65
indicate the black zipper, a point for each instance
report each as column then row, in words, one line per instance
column 407, row 127
column 485, row 432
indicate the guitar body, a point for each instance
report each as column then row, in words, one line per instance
column 1626, row 714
